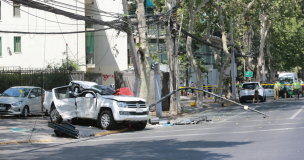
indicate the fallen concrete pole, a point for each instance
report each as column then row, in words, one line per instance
column 244, row 106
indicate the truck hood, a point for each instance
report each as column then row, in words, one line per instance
column 123, row 98
column 9, row 100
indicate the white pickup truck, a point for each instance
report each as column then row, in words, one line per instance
column 81, row 99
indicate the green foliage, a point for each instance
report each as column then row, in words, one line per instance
column 138, row 45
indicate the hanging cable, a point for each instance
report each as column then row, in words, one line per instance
column 28, row 18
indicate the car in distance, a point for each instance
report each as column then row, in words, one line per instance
column 21, row 100
column 248, row 90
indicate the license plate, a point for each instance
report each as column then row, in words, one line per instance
column 139, row 110
column 2, row 108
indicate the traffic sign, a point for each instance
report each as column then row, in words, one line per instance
column 248, row 74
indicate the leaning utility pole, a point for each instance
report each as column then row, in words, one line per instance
column 133, row 53
column 232, row 62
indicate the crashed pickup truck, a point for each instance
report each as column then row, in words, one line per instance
column 88, row 100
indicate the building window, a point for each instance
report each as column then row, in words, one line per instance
column 17, row 44
column 0, row 46
column 16, row 10
column 90, row 50
column 89, row 25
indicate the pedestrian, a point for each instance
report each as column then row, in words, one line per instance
column 192, row 86
column 239, row 88
column 276, row 89
column 256, row 93
column 209, row 89
column 296, row 87
column 285, row 89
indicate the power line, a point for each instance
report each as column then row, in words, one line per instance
column 28, row 27
column 116, row 24
column 65, row 41
column 20, row 32
column 91, row 12
column 41, row 17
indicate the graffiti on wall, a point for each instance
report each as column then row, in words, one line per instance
column 105, row 77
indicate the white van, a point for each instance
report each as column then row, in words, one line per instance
column 289, row 76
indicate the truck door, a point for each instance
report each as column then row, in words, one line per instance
column 65, row 102
column 86, row 105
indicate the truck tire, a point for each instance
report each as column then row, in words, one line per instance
column 139, row 126
column 106, row 120
column 55, row 116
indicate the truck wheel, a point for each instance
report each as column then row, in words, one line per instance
column 106, row 120
column 139, row 126
column 55, row 116
column 25, row 112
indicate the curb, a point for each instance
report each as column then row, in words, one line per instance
column 112, row 132
column 47, row 140
column 23, row 142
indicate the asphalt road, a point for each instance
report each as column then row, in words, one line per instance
column 233, row 133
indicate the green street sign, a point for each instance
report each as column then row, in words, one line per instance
column 248, row 74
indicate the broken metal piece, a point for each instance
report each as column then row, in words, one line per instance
column 66, row 129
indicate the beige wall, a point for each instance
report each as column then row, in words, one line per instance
column 110, row 48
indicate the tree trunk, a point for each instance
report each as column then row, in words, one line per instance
column 145, row 60
column 263, row 35
column 194, row 65
column 224, row 41
column 170, row 54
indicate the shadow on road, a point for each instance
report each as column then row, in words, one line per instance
column 150, row 149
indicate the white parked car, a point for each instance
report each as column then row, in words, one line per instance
column 269, row 90
column 81, row 99
column 248, row 90
column 21, row 100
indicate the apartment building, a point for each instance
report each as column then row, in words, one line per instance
column 102, row 52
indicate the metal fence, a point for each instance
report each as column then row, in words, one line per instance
column 46, row 79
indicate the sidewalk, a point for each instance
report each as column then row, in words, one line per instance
column 41, row 132
column 213, row 111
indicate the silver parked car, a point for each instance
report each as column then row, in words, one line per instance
column 21, row 100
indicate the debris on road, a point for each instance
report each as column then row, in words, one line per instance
column 157, row 120
column 65, row 129
column 21, row 130
column 186, row 121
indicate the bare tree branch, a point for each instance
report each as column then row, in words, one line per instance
column 198, row 8
column 243, row 14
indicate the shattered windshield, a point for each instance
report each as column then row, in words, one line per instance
column 104, row 90
column 16, row 92
column 289, row 80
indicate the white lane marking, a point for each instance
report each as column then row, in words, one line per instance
column 199, row 129
column 199, row 134
column 298, row 112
